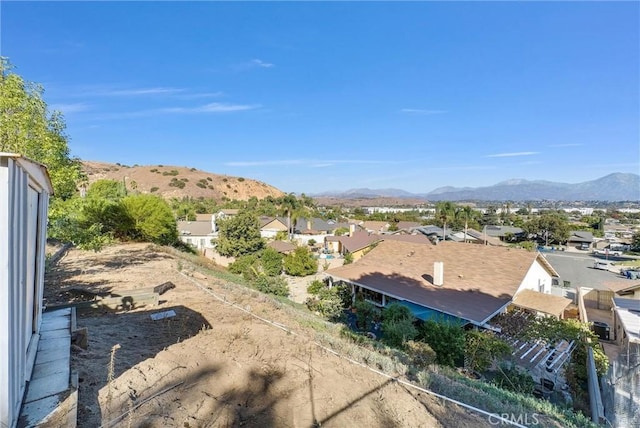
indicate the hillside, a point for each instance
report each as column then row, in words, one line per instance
column 177, row 182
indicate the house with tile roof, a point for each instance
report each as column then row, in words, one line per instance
column 463, row 282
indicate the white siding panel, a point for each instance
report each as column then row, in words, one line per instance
column 23, row 210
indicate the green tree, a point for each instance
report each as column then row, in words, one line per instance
column 152, row 219
column 445, row 213
column 446, row 339
column 107, row 189
column 272, row 262
column 28, row 128
column 483, row 348
column 239, row 235
column 397, row 325
column 552, row 227
column 300, row 263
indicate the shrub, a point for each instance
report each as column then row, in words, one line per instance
column 153, row 170
column 209, row 179
column 152, row 219
column 300, row 263
column 225, row 179
column 514, row 380
column 420, row 353
column 271, row 261
column 153, row 189
column 396, row 312
column 202, row 186
column 447, row 340
column 272, row 285
column 397, row 332
column 172, row 172
column 366, row 314
column 315, row 286
column 348, row 258
column 240, row 179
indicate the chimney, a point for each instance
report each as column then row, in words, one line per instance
column 308, row 224
column 352, row 228
column 438, row 273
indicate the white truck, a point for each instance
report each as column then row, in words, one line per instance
column 608, row 252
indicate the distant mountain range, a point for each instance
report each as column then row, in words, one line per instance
column 613, row 187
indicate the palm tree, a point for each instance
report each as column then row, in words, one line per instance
column 288, row 205
column 467, row 213
column 445, row 212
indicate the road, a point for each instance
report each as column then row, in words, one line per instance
column 577, row 268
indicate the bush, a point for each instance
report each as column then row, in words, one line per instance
column 366, row 314
column 348, row 258
column 172, row 172
column 300, row 263
column 152, row 218
column 420, row 353
column 315, row 287
column 396, row 312
column 240, row 179
column 209, row 179
column 154, row 189
column 271, row 261
column 396, row 332
column 272, row 285
column 447, row 340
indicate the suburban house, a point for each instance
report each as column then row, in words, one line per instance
column 270, row 226
column 24, row 198
column 198, row 234
column 317, row 226
column 580, row 239
column 625, row 288
column 460, row 282
column 359, row 243
column 504, row 233
column 475, row 237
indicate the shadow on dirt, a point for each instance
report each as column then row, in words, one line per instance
column 135, row 336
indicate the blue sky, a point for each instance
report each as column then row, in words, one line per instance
column 316, row 96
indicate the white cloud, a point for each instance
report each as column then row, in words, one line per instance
column 422, row 112
column 142, row 91
column 203, row 109
column 514, row 154
column 69, row 108
column 260, row 63
column 210, row 108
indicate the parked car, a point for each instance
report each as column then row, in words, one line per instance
column 601, row 265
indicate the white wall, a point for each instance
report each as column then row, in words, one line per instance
column 24, row 197
column 536, row 276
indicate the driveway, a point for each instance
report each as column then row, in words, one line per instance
column 578, row 270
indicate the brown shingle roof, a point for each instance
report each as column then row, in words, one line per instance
column 541, row 302
column 358, row 240
column 204, row 217
column 478, row 280
column 282, row 246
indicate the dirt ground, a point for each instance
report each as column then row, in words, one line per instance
column 215, row 365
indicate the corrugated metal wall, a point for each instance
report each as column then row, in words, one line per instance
column 23, row 214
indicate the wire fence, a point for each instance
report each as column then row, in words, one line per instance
column 621, row 389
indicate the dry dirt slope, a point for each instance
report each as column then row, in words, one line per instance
column 197, row 183
column 215, row 365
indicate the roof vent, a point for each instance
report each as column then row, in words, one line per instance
column 438, row 273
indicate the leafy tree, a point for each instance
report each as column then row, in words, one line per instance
column 300, row 263
column 366, row 313
column 341, row 231
column 107, row 189
column 446, row 339
column 152, row 219
column 348, row 258
column 315, row 287
column 271, row 261
column 397, row 325
column 288, row 206
column 552, row 227
column 28, row 128
column 239, row 235
column 482, row 348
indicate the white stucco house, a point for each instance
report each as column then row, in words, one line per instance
column 25, row 188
